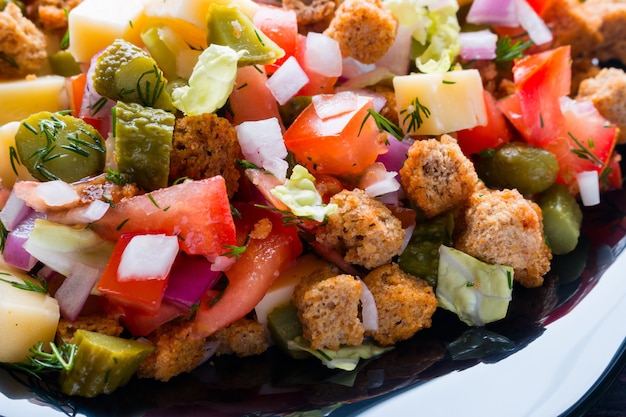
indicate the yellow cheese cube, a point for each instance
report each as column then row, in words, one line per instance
column 22, row 98
column 10, row 167
column 433, row 104
column 26, row 317
column 95, row 24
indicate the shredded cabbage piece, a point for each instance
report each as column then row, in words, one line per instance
column 300, row 195
column 346, row 358
column 211, row 81
column 435, row 32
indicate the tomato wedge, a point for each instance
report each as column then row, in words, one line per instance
column 196, row 211
column 253, row 273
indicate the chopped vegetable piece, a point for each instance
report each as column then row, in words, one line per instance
column 229, row 26
column 562, row 218
column 125, row 72
column 143, row 144
column 102, row 364
column 477, row 292
column 55, row 146
column 284, row 325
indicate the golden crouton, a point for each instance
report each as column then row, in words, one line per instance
column 388, row 111
column 243, row 338
column 328, row 309
column 607, row 91
column 502, row 227
column 93, row 323
column 204, row 146
column 312, row 15
column 405, row 303
column 364, row 29
column 437, row 176
column 611, row 15
column 51, row 13
column 572, row 25
column 22, row 45
column 176, row 352
column 363, row 228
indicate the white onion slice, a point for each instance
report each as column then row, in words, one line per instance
column 493, row 12
column 148, row 257
column 397, row 59
column 534, row 25
column 323, row 55
column 75, row 289
column 82, row 214
column 369, row 311
column 287, row 81
column 262, row 144
column 14, row 212
column 57, row 193
column 480, row 44
column 329, row 105
column 589, row 187
column 352, row 67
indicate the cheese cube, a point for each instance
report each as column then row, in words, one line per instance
column 95, row 24
column 10, row 168
column 26, row 317
column 22, row 98
column 443, row 103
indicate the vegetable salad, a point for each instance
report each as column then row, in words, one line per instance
column 183, row 179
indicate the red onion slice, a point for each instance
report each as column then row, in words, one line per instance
column 493, row 12
column 190, row 277
column 323, row 55
column 14, row 212
column 75, row 289
column 589, row 187
column 148, row 257
column 536, row 28
column 329, row 105
column 478, row 45
column 262, row 144
column 369, row 312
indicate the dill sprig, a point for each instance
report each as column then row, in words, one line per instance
column 585, row 152
column 508, row 50
column 39, row 286
column 148, row 93
column 287, row 217
column 65, row 41
column 4, row 234
column 234, row 251
column 9, row 60
column 413, row 115
column 383, row 124
column 116, row 177
column 59, row 358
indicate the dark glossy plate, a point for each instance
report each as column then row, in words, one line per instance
column 557, row 345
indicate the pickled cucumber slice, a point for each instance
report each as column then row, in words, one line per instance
column 284, row 325
column 64, row 64
column 55, row 146
column 102, row 364
column 562, row 218
column 229, row 26
column 143, row 143
column 125, row 72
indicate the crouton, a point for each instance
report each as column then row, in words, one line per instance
column 363, row 228
column 364, row 29
column 611, row 15
column 51, row 13
column 94, row 323
column 312, row 15
column 176, row 352
column 328, row 309
column 405, row 304
column 243, row 338
column 22, row 44
column 607, row 91
column 502, row 227
column 437, row 176
column 572, row 25
column 204, row 146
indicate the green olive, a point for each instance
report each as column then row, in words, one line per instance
column 518, row 165
column 562, row 218
column 55, row 146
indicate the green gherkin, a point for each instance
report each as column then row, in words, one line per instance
column 143, row 143
column 102, row 364
column 284, row 325
column 421, row 256
column 56, row 146
column 229, row 26
column 125, row 72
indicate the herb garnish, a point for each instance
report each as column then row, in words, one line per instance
column 60, row 358
column 9, row 60
column 235, row 251
column 39, row 287
column 65, row 41
column 149, row 94
column 412, row 114
column 383, row 124
column 507, row 50
column 585, row 153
